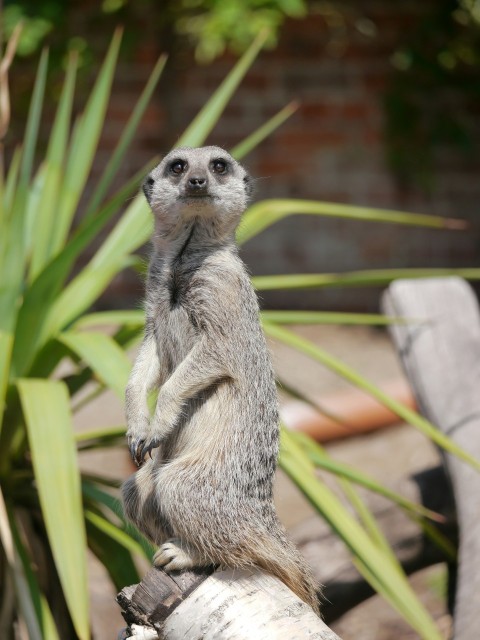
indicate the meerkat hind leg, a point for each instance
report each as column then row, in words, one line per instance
column 177, row 555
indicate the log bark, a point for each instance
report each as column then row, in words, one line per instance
column 441, row 356
column 226, row 605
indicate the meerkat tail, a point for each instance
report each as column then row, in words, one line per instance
column 285, row 562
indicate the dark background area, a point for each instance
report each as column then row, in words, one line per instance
column 389, row 112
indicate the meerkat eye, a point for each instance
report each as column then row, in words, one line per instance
column 219, row 166
column 178, row 167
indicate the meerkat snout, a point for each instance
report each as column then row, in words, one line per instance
column 196, row 185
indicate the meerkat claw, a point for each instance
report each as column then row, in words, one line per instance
column 135, row 446
column 153, row 444
column 171, row 556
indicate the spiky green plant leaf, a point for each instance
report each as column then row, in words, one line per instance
column 305, row 346
column 130, row 317
column 323, row 460
column 83, row 146
column 332, row 317
column 32, row 330
column 207, row 118
column 6, row 345
column 363, row 278
column 103, row 355
column 255, row 138
column 106, row 436
column 13, row 256
column 388, row 580
column 49, row 425
column 116, row 559
column 46, row 209
column 33, row 603
column 125, row 140
column 265, row 213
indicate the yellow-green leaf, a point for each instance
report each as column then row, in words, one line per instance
column 365, row 278
column 130, row 317
column 207, row 118
column 102, row 354
column 332, row 317
column 384, row 575
column 254, row 139
column 422, row 424
column 6, row 344
column 266, row 212
column 45, row 405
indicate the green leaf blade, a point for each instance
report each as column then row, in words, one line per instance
column 47, row 414
column 383, row 574
column 46, row 212
column 331, row 317
column 125, row 139
column 6, row 347
column 130, row 317
column 35, row 323
column 132, row 231
column 84, row 143
column 321, row 459
column 102, row 354
column 364, row 278
column 263, row 214
column 207, row 118
column 254, row 139
column 411, row 417
column 33, row 122
column 13, row 257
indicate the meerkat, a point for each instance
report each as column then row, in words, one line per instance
column 207, row 456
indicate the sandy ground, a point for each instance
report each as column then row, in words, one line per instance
column 388, row 455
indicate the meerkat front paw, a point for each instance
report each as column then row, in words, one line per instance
column 174, row 555
column 141, row 445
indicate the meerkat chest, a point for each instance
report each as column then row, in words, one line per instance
column 174, row 324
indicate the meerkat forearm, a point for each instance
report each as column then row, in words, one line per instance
column 145, row 376
column 199, row 370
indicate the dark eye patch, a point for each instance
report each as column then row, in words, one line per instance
column 219, row 166
column 177, row 167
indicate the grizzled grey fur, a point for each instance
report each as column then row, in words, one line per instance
column 204, row 492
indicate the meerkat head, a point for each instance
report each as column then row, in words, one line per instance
column 203, row 183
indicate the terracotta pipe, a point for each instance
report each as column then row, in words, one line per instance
column 345, row 414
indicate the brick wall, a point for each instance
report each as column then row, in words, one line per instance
column 332, row 149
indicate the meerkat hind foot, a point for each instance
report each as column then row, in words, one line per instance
column 174, row 555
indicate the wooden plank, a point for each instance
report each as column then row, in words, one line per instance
column 441, row 356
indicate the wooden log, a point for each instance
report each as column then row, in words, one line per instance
column 441, row 356
column 226, row 605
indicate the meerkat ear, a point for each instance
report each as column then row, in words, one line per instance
column 248, row 181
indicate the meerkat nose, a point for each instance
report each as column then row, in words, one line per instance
column 197, row 182
column 147, row 187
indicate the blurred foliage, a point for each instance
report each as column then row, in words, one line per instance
column 432, row 101
column 214, row 25
column 210, row 26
